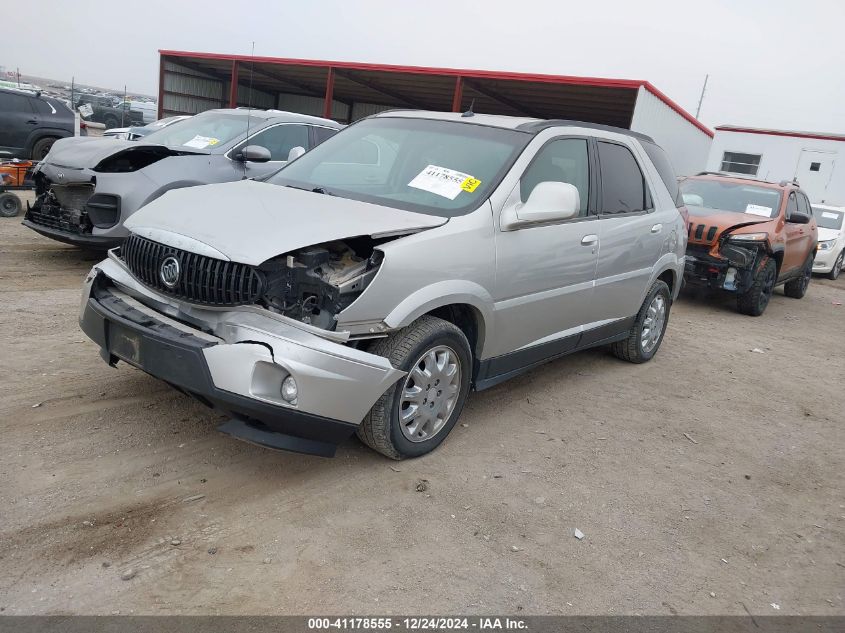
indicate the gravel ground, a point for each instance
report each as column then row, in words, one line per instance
column 708, row 481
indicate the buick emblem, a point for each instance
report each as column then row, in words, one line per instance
column 169, row 271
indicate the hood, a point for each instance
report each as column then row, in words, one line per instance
column 251, row 222
column 80, row 152
column 723, row 219
column 827, row 234
column 706, row 226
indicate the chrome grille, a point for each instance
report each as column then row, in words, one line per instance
column 202, row 279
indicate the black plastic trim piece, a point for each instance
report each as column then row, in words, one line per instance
column 97, row 242
column 538, row 126
column 492, row 371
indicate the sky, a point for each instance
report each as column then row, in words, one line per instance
column 776, row 63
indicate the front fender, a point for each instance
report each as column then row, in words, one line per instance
column 440, row 294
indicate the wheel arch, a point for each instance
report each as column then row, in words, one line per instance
column 461, row 302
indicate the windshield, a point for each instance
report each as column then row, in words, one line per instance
column 162, row 123
column 731, row 196
column 443, row 168
column 828, row 218
column 203, row 131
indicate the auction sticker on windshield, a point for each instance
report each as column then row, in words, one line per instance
column 201, row 142
column 758, row 209
column 444, row 181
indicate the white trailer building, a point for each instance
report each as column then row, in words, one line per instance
column 815, row 160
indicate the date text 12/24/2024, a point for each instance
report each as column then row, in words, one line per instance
column 417, row 623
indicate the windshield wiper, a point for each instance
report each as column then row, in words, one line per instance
column 317, row 189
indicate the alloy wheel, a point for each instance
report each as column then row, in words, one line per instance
column 653, row 323
column 430, row 393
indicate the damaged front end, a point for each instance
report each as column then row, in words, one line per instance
column 68, row 207
column 310, row 285
column 283, row 383
column 725, row 262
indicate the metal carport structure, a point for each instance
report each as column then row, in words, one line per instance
column 191, row 82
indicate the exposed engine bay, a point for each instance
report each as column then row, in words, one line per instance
column 315, row 283
column 61, row 206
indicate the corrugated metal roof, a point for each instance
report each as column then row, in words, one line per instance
column 591, row 99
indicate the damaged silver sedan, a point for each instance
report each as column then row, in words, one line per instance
column 86, row 188
column 369, row 285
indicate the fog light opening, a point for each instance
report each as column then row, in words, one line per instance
column 289, row 390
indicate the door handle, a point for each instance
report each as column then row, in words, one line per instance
column 31, row 122
column 657, row 228
column 589, row 240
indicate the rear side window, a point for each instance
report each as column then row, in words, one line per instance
column 664, row 168
column 14, row 103
column 623, row 187
column 563, row 160
column 42, row 107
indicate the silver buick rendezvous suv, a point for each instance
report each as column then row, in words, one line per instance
column 368, row 285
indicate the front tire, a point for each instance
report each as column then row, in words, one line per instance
column 797, row 288
column 415, row 415
column 646, row 334
column 837, row 266
column 753, row 301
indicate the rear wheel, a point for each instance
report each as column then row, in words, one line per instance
column 649, row 327
column 42, row 148
column 415, row 415
column 111, row 122
column 797, row 287
column 753, row 301
column 837, row 266
column 10, row 205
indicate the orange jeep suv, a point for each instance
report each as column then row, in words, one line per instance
column 747, row 236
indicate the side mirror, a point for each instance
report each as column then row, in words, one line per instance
column 253, row 154
column 550, row 201
column 796, row 217
column 295, row 152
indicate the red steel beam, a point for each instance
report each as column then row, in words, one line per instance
column 233, row 86
column 458, row 95
column 327, row 103
column 160, row 86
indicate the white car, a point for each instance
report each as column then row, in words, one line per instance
column 831, row 252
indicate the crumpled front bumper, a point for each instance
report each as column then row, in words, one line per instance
column 237, row 362
column 734, row 271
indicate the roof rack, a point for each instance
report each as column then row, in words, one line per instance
column 542, row 124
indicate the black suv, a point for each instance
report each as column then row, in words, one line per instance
column 30, row 123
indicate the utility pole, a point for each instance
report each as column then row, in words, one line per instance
column 703, row 88
column 123, row 106
column 18, row 73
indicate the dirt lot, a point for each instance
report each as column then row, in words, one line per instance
column 709, row 481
